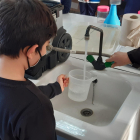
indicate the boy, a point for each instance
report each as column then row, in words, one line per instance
column 26, row 113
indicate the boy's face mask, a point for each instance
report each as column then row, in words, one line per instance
column 33, row 70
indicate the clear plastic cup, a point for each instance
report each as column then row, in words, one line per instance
column 102, row 13
column 115, row 2
column 78, row 87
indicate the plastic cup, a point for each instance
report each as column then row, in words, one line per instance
column 102, row 13
column 78, row 87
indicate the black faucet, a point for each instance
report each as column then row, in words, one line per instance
column 98, row 65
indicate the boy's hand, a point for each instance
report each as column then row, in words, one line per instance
column 120, row 59
column 63, row 81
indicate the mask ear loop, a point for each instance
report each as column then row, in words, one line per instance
column 39, row 54
column 27, row 57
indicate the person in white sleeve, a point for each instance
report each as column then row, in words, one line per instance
column 88, row 7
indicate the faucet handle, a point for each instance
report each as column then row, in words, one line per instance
column 99, row 65
column 90, row 58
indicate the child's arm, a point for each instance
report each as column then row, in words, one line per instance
column 51, row 90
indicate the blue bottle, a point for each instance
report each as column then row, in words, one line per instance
column 112, row 17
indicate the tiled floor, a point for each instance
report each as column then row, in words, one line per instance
column 76, row 26
column 77, row 32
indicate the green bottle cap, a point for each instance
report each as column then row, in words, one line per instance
column 90, row 58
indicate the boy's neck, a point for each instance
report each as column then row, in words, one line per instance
column 11, row 69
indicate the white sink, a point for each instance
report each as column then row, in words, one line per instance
column 109, row 94
column 116, row 101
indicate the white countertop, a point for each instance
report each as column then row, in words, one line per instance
column 71, row 20
column 118, row 128
column 76, row 26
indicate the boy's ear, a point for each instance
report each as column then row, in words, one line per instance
column 31, row 52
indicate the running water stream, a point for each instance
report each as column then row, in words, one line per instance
column 86, row 48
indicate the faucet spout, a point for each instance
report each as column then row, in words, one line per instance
column 98, row 65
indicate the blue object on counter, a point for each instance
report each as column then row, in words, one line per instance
column 112, row 18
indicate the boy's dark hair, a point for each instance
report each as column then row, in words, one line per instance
column 24, row 23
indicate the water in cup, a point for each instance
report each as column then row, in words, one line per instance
column 78, row 86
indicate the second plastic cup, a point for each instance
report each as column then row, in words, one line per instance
column 102, row 13
column 78, row 87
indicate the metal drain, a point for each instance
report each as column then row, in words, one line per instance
column 86, row 112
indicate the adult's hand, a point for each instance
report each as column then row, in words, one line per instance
column 120, row 59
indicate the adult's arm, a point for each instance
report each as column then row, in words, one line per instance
column 134, row 56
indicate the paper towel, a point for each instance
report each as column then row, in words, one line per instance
column 129, row 23
column 134, row 37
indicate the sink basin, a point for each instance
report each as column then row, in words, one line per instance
column 108, row 94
